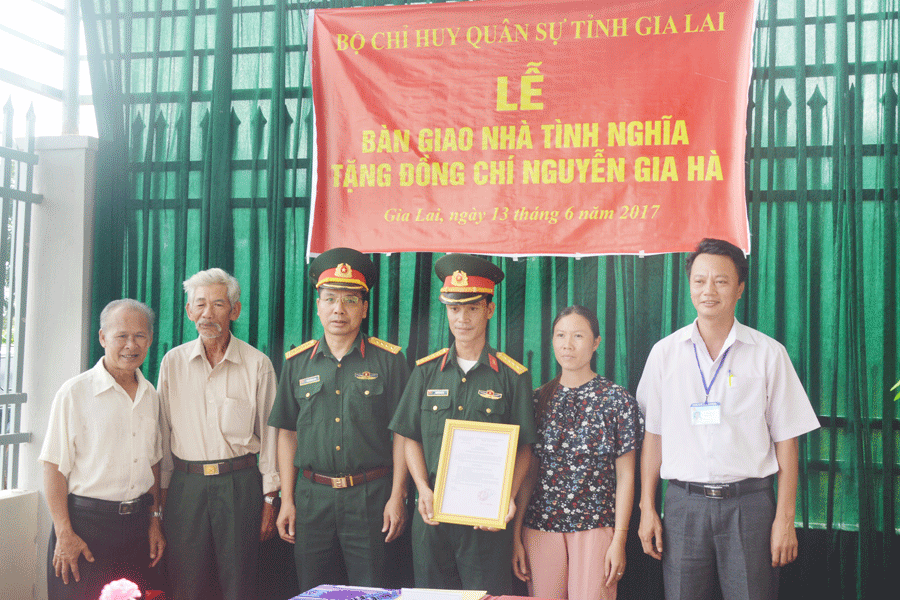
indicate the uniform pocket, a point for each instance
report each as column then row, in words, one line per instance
column 369, row 400
column 307, row 396
column 491, row 411
column 435, row 410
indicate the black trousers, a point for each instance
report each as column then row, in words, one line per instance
column 212, row 530
column 120, row 546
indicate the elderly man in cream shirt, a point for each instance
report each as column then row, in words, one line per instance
column 101, row 464
column 219, row 473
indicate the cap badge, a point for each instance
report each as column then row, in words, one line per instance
column 343, row 270
column 460, row 279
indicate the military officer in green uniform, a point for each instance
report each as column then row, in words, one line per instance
column 474, row 382
column 345, row 476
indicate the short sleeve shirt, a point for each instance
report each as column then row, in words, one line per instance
column 584, row 431
column 340, row 409
column 760, row 397
column 103, row 442
column 490, row 392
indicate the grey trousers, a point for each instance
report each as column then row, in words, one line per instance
column 705, row 538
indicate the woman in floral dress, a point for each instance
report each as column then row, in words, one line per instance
column 570, row 540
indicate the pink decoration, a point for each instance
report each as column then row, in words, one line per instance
column 121, row 589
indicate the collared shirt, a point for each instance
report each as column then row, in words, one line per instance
column 103, row 442
column 340, row 408
column 760, row 397
column 491, row 392
column 214, row 413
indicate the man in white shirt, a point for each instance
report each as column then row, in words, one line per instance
column 219, row 475
column 723, row 408
column 101, row 465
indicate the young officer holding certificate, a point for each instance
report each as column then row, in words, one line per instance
column 468, row 381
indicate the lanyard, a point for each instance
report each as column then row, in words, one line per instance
column 707, row 388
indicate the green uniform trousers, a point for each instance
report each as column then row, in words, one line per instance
column 333, row 522
column 212, row 526
column 459, row 557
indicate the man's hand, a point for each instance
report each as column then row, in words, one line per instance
column 157, row 541
column 394, row 518
column 519, row 561
column 784, row 543
column 286, row 520
column 69, row 548
column 650, row 533
column 426, row 506
column 784, row 537
column 509, row 517
column 267, row 526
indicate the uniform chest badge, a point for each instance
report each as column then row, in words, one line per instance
column 309, row 380
column 437, row 393
column 367, row 376
column 490, row 394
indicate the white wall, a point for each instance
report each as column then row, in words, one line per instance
column 18, row 513
column 57, row 328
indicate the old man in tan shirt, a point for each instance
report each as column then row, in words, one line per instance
column 219, row 474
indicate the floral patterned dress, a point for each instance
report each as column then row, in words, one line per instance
column 585, row 430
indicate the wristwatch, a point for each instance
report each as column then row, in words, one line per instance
column 269, row 500
column 157, row 514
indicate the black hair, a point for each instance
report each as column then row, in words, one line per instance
column 577, row 309
column 720, row 248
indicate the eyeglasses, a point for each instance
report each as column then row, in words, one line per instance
column 332, row 300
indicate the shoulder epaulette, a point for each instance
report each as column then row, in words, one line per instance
column 425, row 359
column 393, row 349
column 513, row 364
column 304, row 346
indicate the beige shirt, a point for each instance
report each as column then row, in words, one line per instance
column 103, row 442
column 213, row 413
column 759, row 396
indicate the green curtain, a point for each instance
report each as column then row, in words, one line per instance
column 204, row 114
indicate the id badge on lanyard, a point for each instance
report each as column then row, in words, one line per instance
column 707, row 413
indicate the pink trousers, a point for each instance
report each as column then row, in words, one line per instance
column 568, row 565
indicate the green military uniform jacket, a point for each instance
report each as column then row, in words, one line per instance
column 340, row 409
column 496, row 390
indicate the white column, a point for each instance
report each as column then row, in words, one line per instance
column 57, row 331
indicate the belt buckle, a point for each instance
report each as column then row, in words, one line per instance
column 211, row 469
column 716, row 491
column 130, row 506
column 339, row 482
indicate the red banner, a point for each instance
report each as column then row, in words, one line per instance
column 531, row 127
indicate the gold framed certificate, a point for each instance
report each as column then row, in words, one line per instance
column 475, row 473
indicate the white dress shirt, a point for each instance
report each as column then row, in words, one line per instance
column 215, row 413
column 103, row 442
column 761, row 402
